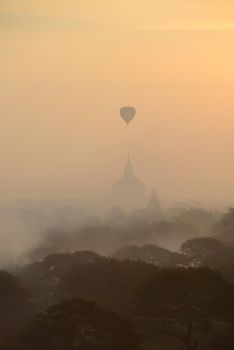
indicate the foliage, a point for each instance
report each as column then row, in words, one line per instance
column 152, row 254
column 224, row 229
column 108, row 282
column 200, row 220
column 79, row 325
column 208, row 251
column 188, row 294
column 15, row 306
column 211, row 252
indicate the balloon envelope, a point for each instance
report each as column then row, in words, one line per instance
column 127, row 113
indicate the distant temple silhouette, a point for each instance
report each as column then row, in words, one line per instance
column 153, row 210
column 128, row 192
column 154, row 205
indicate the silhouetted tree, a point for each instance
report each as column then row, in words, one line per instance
column 224, row 229
column 208, row 251
column 79, row 325
column 200, row 220
column 211, row 252
column 43, row 277
column 187, row 294
column 15, row 307
column 108, row 282
column 152, row 254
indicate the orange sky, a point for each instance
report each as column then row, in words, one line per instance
column 67, row 66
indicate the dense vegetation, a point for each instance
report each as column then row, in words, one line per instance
column 85, row 301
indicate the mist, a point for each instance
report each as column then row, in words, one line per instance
column 126, row 216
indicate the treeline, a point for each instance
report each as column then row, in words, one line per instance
column 84, row 301
column 127, row 303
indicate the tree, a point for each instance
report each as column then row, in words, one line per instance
column 110, row 283
column 189, row 295
column 14, row 303
column 211, row 252
column 208, row 251
column 152, row 254
column 76, row 325
column 44, row 276
column 201, row 248
column 224, row 229
column 200, row 220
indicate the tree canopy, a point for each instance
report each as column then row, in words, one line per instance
column 187, row 293
column 15, row 306
column 79, row 325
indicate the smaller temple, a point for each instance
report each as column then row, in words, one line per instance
column 153, row 211
column 128, row 192
column 154, row 206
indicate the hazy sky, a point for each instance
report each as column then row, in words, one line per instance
column 66, row 67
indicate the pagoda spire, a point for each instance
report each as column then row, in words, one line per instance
column 153, row 204
column 128, row 170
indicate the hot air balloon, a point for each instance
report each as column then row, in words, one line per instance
column 127, row 113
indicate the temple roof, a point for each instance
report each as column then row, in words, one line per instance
column 128, row 191
column 154, row 204
column 128, row 170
